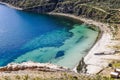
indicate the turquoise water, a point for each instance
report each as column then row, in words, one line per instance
column 41, row 38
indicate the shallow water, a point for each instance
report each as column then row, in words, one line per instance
column 41, row 38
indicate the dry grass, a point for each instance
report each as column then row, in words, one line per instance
column 106, row 71
column 40, row 75
column 117, row 31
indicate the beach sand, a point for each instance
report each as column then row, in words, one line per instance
column 96, row 63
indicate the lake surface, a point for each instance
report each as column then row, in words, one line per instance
column 41, row 38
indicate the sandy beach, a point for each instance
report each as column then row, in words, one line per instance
column 96, row 63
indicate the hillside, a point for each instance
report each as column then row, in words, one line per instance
column 102, row 10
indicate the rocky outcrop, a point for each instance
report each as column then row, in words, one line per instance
column 81, row 68
column 46, row 67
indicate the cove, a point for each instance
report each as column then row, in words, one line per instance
column 42, row 38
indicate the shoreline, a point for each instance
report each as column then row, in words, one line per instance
column 92, row 61
column 100, row 33
column 105, row 35
column 32, row 65
column 17, row 8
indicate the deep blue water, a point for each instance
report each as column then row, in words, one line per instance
column 22, row 33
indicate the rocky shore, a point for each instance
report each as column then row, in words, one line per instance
column 33, row 66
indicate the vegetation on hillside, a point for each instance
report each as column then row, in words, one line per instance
column 101, row 10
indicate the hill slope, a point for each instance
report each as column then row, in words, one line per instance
column 102, row 10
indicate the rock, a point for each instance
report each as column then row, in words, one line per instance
column 81, row 68
column 32, row 66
